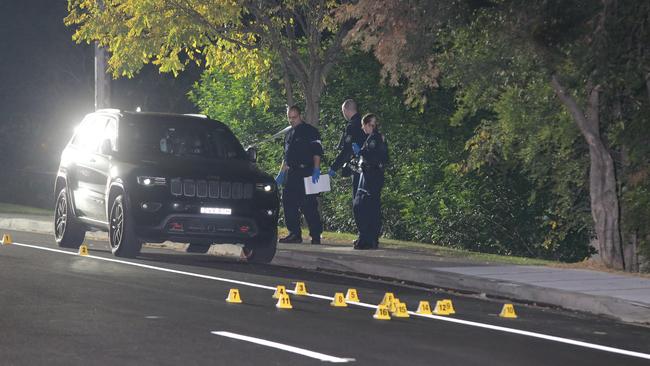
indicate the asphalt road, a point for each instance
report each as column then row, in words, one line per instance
column 168, row 308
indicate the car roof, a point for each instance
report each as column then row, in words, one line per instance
column 134, row 115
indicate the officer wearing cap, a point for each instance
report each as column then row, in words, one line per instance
column 302, row 154
column 367, row 202
column 352, row 139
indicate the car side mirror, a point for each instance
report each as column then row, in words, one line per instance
column 106, row 148
column 252, row 153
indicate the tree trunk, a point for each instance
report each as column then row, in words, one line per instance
column 313, row 90
column 605, row 207
column 288, row 87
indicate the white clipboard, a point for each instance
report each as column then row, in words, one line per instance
column 323, row 185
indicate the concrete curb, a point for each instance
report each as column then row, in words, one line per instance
column 627, row 311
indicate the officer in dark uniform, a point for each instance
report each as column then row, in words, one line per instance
column 302, row 154
column 367, row 202
column 353, row 135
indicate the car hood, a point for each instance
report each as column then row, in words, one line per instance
column 240, row 170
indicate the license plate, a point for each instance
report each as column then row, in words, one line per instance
column 216, row 210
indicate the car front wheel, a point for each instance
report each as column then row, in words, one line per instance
column 68, row 233
column 261, row 250
column 197, row 248
column 121, row 234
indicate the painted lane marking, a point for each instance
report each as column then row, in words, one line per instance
column 284, row 347
column 365, row 305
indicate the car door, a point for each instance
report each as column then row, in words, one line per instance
column 88, row 194
column 100, row 170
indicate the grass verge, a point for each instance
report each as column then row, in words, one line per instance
column 345, row 239
column 25, row 210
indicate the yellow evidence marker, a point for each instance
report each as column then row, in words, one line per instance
column 284, row 302
column 300, row 289
column 233, row 296
column 442, row 308
column 83, row 250
column 450, row 305
column 392, row 307
column 382, row 313
column 339, row 300
column 279, row 292
column 388, row 299
column 6, row 239
column 424, row 308
column 352, row 295
column 401, row 311
column 508, row 311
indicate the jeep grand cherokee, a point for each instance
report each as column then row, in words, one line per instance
column 151, row 177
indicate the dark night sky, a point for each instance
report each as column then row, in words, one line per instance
column 46, row 84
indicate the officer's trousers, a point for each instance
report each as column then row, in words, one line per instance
column 295, row 201
column 355, row 184
column 367, row 208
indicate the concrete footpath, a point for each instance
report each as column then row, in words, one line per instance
column 622, row 297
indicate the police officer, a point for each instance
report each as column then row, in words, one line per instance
column 353, row 137
column 302, row 154
column 367, row 201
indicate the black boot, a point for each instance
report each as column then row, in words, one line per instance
column 291, row 239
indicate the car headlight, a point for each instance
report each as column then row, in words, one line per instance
column 265, row 187
column 151, row 181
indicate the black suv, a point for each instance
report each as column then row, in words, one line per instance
column 151, row 177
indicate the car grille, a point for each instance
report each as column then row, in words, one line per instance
column 212, row 189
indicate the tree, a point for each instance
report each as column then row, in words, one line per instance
column 298, row 39
column 578, row 46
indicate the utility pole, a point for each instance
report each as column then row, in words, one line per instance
column 102, row 80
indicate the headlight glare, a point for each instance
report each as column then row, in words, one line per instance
column 151, row 181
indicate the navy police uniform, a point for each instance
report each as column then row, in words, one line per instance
column 353, row 134
column 367, row 201
column 301, row 144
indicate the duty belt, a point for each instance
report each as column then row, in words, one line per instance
column 372, row 166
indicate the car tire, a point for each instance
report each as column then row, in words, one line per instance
column 68, row 232
column 261, row 250
column 121, row 233
column 197, row 248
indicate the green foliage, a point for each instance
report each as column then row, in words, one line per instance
column 228, row 99
column 430, row 195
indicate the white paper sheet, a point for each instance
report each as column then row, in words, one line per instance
column 323, row 184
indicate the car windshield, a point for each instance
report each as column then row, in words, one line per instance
column 182, row 137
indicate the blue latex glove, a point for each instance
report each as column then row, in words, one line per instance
column 280, row 178
column 332, row 173
column 315, row 175
column 356, row 149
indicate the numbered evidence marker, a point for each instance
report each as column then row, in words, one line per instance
column 388, row 299
column 233, row 296
column 382, row 313
column 424, row 308
column 393, row 305
column 508, row 311
column 300, row 289
column 284, row 302
column 442, row 308
column 6, row 239
column 352, row 295
column 339, row 300
column 450, row 305
column 83, row 250
column 279, row 292
column 400, row 310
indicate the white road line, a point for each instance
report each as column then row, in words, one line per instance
column 365, row 305
column 284, row 347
